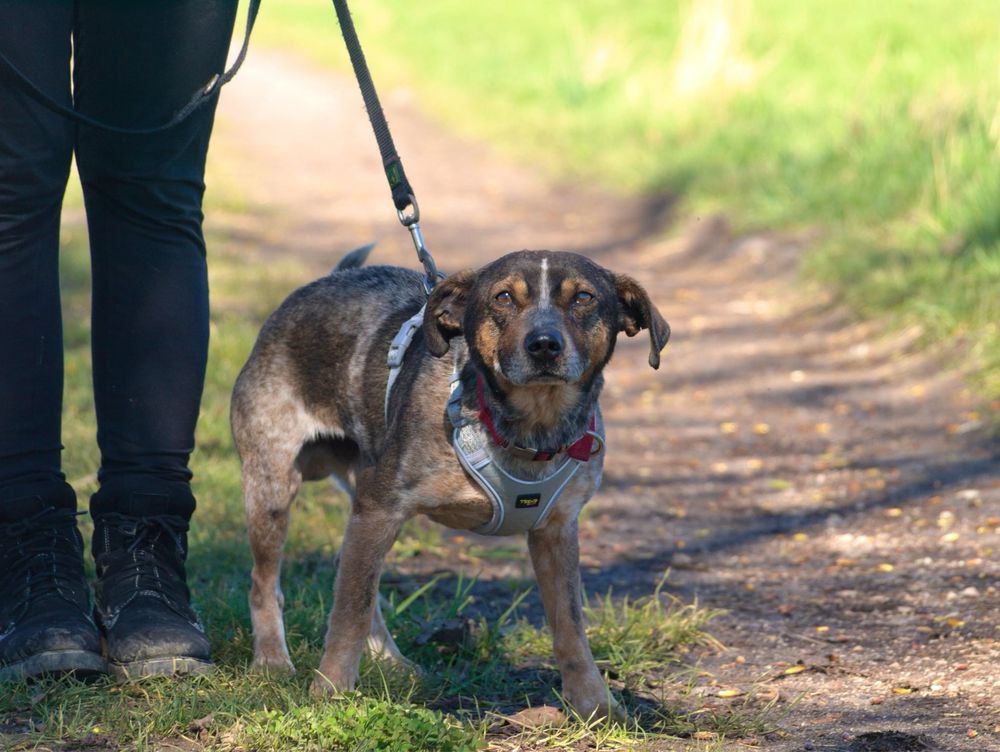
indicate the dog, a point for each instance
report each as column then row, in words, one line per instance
column 505, row 363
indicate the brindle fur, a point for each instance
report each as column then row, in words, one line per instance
column 310, row 403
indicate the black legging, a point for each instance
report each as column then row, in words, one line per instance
column 135, row 62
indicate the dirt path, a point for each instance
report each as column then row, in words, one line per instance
column 829, row 488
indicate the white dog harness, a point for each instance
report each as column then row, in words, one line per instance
column 519, row 505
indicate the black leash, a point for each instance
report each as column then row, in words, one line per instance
column 200, row 97
column 403, row 197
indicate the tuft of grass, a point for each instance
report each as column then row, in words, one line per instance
column 644, row 637
column 634, row 638
column 356, row 723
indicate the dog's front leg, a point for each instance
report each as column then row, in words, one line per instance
column 555, row 554
column 371, row 531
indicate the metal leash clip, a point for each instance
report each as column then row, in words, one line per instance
column 411, row 221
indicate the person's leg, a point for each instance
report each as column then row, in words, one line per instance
column 137, row 63
column 44, row 602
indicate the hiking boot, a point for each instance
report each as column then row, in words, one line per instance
column 143, row 602
column 45, row 621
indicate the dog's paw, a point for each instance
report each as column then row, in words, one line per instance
column 329, row 684
column 280, row 666
column 597, row 705
column 397, row 664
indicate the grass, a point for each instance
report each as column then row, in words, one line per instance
column 877, row 123
column 481, row 644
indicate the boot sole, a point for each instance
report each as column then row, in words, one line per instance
column 81, row 663
column 177, row 666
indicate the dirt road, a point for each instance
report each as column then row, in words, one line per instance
column 829, row 487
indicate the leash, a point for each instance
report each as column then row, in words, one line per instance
column 199, row 98
column 403, row 196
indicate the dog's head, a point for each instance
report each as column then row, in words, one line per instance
column 541, row 317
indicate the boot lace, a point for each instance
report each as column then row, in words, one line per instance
column 41, row 555
column 152, row 564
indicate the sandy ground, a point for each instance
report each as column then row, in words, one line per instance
column 829, row 487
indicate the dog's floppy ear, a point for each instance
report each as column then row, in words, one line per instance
column 636, row 312
column 445, row 309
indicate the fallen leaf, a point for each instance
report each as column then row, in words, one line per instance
column 730, row 692
column 902, row 691
column 544, row 715
column 885, row 567
column 798, row 669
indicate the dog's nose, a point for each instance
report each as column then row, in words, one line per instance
column 544, row 344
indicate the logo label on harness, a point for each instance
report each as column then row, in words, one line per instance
column 527, row 501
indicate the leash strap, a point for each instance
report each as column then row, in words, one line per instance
column 403, row 197
column 200, row 97
column 402, row 192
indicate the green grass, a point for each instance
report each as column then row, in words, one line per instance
column 877, row 123
column 481, row 663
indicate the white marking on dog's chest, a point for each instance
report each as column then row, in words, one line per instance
column 544, row 299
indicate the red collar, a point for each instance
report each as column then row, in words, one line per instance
column 581, row 449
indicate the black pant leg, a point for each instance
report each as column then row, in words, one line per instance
column 35, row 152
column 136, row 63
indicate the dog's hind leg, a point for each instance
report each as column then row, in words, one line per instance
column 382, row 647
column 371, row 531
column 271, row 478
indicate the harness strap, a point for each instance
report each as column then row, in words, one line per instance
column 518, row 505
column 200, row 97
column 397, row 351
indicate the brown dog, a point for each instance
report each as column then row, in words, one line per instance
column 529, row 335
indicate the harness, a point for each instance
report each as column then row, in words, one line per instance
column 519, row 505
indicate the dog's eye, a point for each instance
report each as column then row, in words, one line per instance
column 504, row 298
column 583, row 297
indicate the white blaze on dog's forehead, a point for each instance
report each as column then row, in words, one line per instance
column 543, row 285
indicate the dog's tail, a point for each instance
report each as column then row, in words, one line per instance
column 355, row 258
